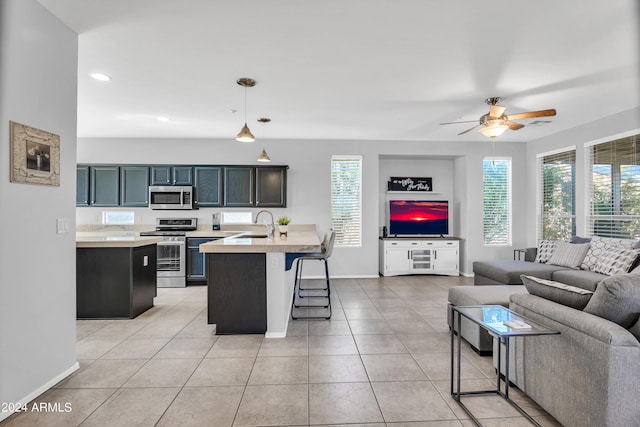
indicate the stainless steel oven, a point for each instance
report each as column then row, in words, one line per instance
column 172, row 250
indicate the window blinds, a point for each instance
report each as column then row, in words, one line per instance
column 346, row 199
column 557, row 199
column 614, row 188
column 497, row 201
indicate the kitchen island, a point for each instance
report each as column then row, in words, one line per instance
column 249, row 288
column 115, row 275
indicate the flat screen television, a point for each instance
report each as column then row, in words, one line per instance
column 418, row 217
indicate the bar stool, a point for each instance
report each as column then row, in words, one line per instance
column 311, row 294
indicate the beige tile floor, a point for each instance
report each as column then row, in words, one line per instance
column 382, row 360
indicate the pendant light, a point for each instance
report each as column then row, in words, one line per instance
column 245, row 134
column 264, row 157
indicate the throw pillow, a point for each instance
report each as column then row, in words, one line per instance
column 569, row 254
column 600, row 245
column 545, row 250
column 578, row 239
column 617, row 298
column 571, row 296
column 616, row 261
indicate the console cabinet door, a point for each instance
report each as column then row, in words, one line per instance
column 446, row 258
column 134, row 186
column 208, row 186
column 105, row 186
column 82, row 185
column 239, row 186
column 271, row 187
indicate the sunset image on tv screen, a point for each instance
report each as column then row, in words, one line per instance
column 419, row 217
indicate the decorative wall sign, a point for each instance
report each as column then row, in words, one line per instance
column 409, row 184
column 35, row 155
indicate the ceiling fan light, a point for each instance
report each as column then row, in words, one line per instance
column 264, row 157
column 493, row 131
column 245, row 134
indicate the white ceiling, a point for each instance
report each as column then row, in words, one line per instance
column 349, row 69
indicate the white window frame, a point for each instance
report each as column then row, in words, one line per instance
column 590, row 217
column 347, row 238
column 507, row 241
column 118, row 217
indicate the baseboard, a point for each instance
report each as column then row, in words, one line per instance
column 467, row 274
column 37, row 392
column 366, row 276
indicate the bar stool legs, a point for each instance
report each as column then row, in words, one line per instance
column 306, row 299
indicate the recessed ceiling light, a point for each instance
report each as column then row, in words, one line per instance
column 163, row 119
column 101, row 77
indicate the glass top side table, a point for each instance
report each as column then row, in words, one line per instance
column 503, row 324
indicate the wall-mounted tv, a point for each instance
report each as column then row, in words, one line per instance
column 418, row 217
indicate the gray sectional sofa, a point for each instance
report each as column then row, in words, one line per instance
column 589, row 374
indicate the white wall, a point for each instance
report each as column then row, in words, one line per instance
column 308, row 183
column 38, row 73
column 606, row 129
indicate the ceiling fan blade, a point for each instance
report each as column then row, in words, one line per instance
column 513, row 125
column 530, row 114
column 496, row 110
column 470, row 129
column 453, row 123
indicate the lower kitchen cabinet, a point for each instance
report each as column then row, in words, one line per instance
column 420, row 256
column 115, row 282
column 196, row 261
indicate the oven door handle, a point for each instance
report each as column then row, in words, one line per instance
column 171, row 243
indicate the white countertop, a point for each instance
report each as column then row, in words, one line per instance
column 296, row 241
column 114, row 240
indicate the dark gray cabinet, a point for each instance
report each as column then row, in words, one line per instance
column 104, row 185
column 271, row 187
column 208, row 186
column 239, row 186
column 113, row 283
column 82, row 185
column 171, row 175
column 134, row 186
column 196, row 261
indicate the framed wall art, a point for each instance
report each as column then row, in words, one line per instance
column 35, row 155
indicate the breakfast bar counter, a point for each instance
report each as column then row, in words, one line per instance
column 249, row 287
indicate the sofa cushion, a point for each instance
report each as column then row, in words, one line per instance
column 561, row 293
column 509, row 272
column 579, row 278
column 600, row 245
column 617, row 298
column 569, row 254
column 578, row 239
column 616, row 260
column 545, row 250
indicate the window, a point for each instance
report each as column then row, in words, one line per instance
column 118, row 217
column 236, row 218
column 557, row 203
column 346, row 200
column 614, row 188
column 496, row 174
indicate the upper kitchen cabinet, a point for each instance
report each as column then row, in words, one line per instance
column 208, row 186
column 271, row 187
column 239, row 186
column 82, row 185
column 171, row 175
column 104, row 185
column 134, row 186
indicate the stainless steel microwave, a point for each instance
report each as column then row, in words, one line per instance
column 171, row 197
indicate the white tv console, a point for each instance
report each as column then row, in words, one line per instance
column 419, row 255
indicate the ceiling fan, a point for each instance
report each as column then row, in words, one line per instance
column 495, row 122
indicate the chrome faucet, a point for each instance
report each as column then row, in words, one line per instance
column 273, row 224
